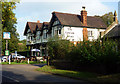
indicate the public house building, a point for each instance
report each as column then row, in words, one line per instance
column 72, row 27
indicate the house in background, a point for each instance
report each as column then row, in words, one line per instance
column 113, row 32
column 110, row 28
column 68, row 26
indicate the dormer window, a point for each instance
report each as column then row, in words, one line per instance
column 28, row 31
column 56, row 22
column 38, row 35
column 45, row 34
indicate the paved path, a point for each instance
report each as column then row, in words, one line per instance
column 27, row 74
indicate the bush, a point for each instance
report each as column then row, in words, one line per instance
column 58, row 49
column 86, row 53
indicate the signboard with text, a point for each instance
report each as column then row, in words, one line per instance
column 6, row 35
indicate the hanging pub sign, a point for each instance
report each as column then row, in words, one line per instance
column 6, row 35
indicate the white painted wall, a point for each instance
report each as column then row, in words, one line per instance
column 76, row 33
column 69, row 33
column 96, row 33
column 72, row 33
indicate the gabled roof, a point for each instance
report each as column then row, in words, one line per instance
column 75, row 20
column 109, row 28
column 44, row 24
column 39, row 25
column 114, row 32
column 32, row 26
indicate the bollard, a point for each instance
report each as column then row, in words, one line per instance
column 28, row 60
column 9, row 59
column 0, row 60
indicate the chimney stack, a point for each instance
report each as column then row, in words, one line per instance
column 84, row 22
column 84, row 16
column 38, row 21
column 115, row 17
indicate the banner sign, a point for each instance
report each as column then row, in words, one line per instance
column 6, row 35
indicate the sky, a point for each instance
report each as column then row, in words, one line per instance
column 33, row 10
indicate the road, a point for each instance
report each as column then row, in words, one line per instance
column 26, row 74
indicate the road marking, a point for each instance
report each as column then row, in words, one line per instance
column 10, row 78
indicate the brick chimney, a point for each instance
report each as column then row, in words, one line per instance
column 38, row 21
column 84, row 22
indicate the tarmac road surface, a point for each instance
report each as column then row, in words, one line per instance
column 26, row 74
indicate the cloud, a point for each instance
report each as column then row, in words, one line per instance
column 68, row 0
column 95, row 7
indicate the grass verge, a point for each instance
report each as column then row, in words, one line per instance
column 87, row 76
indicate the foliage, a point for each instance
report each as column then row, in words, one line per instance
column 22, row 45
column 58, row 49
column 108, row 18
column 87, row 53
column 8, row 25
column 95, row 53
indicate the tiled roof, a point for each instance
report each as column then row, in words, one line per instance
column 75, row 20
column 46, row 23
column 32, row 26
column 114, row 32
column 39, row 25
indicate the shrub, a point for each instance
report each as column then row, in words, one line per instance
column 86, row 53
column 58, row 49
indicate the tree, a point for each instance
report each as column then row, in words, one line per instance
column 108, row 18
column 8, row 25
column 22, row 45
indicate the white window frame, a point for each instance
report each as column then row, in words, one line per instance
column 90, row 33
column 44, row 34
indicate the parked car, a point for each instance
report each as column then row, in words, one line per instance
column 4, row 58
column 18, row 56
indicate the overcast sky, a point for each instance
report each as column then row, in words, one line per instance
column 33, row 10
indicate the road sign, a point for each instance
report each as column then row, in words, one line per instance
column 6, row 52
